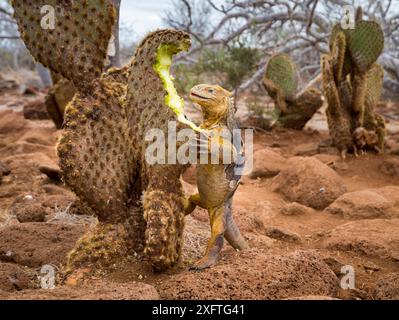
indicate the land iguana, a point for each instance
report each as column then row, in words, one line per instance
column 217, row 183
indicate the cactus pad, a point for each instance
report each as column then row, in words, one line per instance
column 366, row 43
column 282, row 71
column 374, row 84
column 77, row 46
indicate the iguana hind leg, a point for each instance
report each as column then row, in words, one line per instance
column 218, row 226
column 233, row 234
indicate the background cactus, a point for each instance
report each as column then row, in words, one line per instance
column 102, row 151
column 352, row 82
column 283, row 73
column 281, row 83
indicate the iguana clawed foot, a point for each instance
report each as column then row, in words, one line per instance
column 204, row 263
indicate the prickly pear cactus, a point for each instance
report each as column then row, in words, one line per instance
column 282, row 72
column 103, row 149
column 281, row 83
column 338, row 110
column 352, row 82
column 68, row 37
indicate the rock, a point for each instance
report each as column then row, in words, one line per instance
column 94, row 290
column 33, row 160
column 309, row 182
column 32, row 213
column 52, row 172
column 296, row 209
column 390, row 167
column 25, row 149
column 267, row 163
column 387, row 287
column 14, row 278
column 254, row 274
column 391, row 193
column 27, row 208
column 30, row 91
column 377, row 238
column 4, row 169
column 307, row 149
column 326, row 147
column 36, row 110
column 11, row 122
column 7, row 84
column 367, row 204
column 328, row 159
column 38, row 244
column 283, row 235
column 335, row 265
column 340, row 166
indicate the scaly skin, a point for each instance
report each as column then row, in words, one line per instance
column 217, row 183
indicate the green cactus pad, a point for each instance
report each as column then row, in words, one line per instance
column 366, row 43
column 77, row 45
column 282, row 71
column 374, row 84
column 339, row 47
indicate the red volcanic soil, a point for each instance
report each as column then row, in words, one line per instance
column 305, row 213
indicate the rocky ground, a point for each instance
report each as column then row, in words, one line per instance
column 306, row 215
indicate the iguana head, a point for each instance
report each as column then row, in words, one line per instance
column 213, row 100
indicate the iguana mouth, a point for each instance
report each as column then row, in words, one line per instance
column 198, row 96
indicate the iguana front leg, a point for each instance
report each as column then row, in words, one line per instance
column 216, row 148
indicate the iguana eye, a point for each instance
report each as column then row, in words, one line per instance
column 211, row 90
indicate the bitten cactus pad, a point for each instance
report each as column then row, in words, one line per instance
column 162, row 68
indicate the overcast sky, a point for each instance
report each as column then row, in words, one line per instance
column 143, row 15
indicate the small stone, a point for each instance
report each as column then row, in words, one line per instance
column 390, row 167
column 283, row 235
column 296, row 209
column 307, row 149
